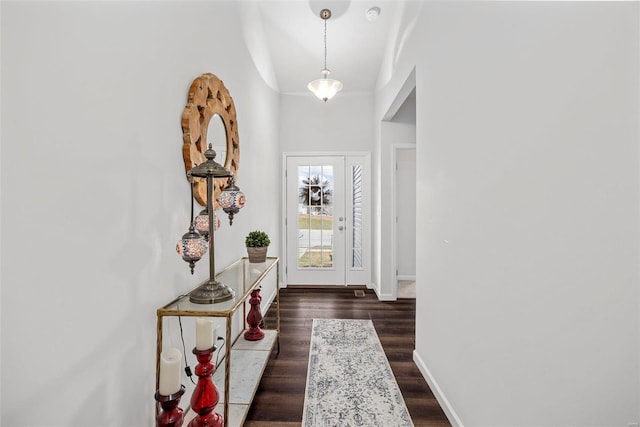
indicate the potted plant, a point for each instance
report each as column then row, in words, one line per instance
column 256, row 243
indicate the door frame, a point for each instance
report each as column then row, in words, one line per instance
column 394, row 215
column 283, row 206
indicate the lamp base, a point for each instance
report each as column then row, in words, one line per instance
column 211, row 293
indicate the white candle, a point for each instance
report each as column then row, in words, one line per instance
column 170, row 371
column 204, row 333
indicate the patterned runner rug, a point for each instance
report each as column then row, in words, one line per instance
column 349, row 381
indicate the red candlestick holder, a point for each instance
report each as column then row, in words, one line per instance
column 254, row 318
column 205, row 396
column 171, row 415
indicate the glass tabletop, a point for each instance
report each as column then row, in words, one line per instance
column 242, row 277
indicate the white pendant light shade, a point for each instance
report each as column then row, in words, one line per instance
column 325, row 88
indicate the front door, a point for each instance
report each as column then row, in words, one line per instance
column 325, row 226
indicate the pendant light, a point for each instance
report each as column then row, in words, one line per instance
column 325, row 88
column 192, row 246
column 231, row 199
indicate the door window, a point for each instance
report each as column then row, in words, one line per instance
column 315, row 216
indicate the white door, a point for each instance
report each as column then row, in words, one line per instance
column 326, row 211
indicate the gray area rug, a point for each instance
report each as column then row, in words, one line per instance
column 349, row 381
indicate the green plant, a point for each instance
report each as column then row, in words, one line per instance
column 257, row 239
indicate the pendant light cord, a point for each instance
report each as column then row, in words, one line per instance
column 325, row 44
column 192, row 203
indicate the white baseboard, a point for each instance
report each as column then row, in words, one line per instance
column 382, row 297
column 375, row 288
column 406, row 277
column 437, row 392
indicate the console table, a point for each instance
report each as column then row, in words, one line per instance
column 250, row 357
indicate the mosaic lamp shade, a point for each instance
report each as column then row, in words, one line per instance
column 192, row 247
column 231, row 200
column 201, row 223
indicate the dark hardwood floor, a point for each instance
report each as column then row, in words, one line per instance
column 280, row 397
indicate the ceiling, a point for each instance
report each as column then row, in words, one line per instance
column 294, row 32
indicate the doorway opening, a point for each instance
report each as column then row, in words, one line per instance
column 404, row 230
column 327, row 219
column 397, row 258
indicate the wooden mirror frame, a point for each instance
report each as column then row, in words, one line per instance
column 208, row 96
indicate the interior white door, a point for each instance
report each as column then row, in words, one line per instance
column 316, row 220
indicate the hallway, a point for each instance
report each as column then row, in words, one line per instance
column 527, row 198
column 280, row 397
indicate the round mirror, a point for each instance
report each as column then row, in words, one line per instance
column 210, row 117
column 217, row 136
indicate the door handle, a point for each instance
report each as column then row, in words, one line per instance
column 340, row 228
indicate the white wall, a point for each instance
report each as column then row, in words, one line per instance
column 341, row 124
column 405, row 193
column 400, row 132
column 396, row 81
column 527, row 157
column 94, row 195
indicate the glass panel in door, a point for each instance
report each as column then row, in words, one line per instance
column 315, row 216
column 315, row 239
